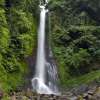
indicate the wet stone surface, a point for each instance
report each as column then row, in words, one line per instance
column 91, row 94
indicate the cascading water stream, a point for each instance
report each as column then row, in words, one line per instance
column 44, row 81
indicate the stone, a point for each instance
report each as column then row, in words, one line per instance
column 1, row 94
column 79, row 97
column 24, row 98
column 90, row 97
column 85, row 96
column 29, row 92
column 80, row 89
column 13, row 98
column 98, row 90
column 90, row 92
column 73, row 98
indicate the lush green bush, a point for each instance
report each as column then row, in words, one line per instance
column 77, row 47
column 17, row 41
column 75, row 39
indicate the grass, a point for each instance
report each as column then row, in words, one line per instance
column 84, row 79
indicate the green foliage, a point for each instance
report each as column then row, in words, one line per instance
column 2, row 2
column 17, row 40
column 75, row 59
column 23, row 33
column 75, row 40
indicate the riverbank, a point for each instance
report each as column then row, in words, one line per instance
column 83, row 92
column 93, row 94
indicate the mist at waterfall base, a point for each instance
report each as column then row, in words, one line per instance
column 44, row 81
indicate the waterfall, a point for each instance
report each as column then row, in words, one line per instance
column 44, row 81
